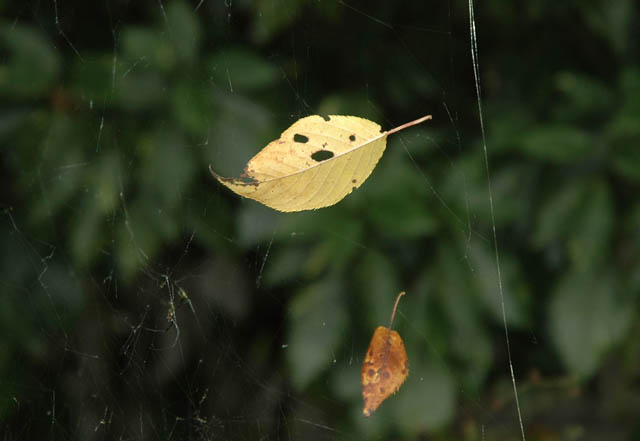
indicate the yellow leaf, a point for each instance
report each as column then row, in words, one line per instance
column 315, row 163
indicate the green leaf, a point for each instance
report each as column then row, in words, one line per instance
column 615, row 21
column 623, row 133
column 405, row 94
column 15, row 268
column 345, row 383
column 63, row 300
column 105, row 183
column 630, row 91
column 378, row 285
column 584, row 97
column 588, row 315
column 86, row 237
column 19, row 76
column 515, row 290
column 184, row 31
column 230, row 144
column 505, row 128
column 213, row 232
column 317, row 324
column 590, row 235
column 631, row 231
column 191, row 108
column 60, row 152
column 241, row 70
column 629, row 250
column 513, row 189
column 100, row 201
column 272, row 16
column 557, row 143
column 168, row 168
column 153, row 215
column 626, row 158
column 256, row 224
column 283, row 265
column 137, row 91
column 426, row 401
column 580, row 216
column 11, row 120
column 342, row 241
column 143, row 48
column 465, row 192
column 467, row 337
column 398, row 214
column 139, row 236
column 93, row 78
column 557, row 212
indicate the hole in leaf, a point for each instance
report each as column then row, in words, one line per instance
column 352, row 138
column 247, row 180
column 322, row 155
column 300, row 138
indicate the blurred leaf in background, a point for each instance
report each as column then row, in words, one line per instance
column 110, row 116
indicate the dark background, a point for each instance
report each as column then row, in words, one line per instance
column 142, row 300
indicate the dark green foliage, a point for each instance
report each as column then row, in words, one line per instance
column 108, row 211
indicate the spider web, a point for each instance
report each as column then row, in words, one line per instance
column 180, row 312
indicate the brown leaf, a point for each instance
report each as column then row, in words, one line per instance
column 385, row 366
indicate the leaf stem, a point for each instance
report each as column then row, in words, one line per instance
column 409, row 124
column 395, row 306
